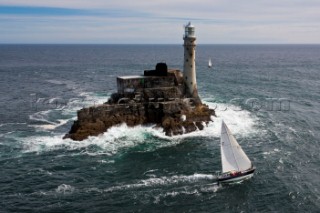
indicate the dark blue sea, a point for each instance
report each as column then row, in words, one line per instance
column 268, row 95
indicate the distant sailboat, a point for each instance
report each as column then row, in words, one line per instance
column 236, row 166
column 209, row 63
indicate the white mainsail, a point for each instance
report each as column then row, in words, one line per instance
column 233, row 157
column 209, row 63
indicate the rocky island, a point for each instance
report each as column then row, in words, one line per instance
column 165, row 97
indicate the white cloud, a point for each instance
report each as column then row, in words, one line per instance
column 217, row 21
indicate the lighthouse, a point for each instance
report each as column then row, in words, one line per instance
column 189, row 65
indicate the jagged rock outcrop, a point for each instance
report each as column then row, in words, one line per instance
column 160, row 100
column 168, row 115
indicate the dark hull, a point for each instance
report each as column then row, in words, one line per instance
column 229, row 178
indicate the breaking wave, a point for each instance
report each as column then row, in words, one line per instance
column 122, row 136
column 108, row 143
column 50, row 119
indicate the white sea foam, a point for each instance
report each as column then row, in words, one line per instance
column 161, row 181
column 183, row 185
column 178, row 192
column 240, row 123
column 54, row 125
column 150, row 171
column 272, row 153
column 53, row 81
column 110, row 142
column 42, row 116
column 64, row 189
column 64, row 107
column 122, row 136
column 106, row 161
column 92, row 99
column 195, row 190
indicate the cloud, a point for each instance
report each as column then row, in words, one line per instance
column 28, row 10
column 217, row 21
column 57, row 11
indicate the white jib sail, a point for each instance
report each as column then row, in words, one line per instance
column 233, row 157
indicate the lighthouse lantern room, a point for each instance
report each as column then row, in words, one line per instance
column 189, row 30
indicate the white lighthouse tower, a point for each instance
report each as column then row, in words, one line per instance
column 189, row 65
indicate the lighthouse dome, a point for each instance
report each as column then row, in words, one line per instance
column 189, row 25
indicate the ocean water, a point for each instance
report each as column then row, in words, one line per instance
column 267, row 94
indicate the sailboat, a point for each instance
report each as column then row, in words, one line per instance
column 236, row 166
column 209, row 63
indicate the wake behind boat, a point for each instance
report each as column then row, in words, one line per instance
column 236, row 166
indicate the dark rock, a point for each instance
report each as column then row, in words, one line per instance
column 164, row 106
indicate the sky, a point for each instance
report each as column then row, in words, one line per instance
column 159, row 22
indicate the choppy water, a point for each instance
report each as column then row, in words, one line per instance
column 267, row 94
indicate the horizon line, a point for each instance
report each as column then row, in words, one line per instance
column 158, row 44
